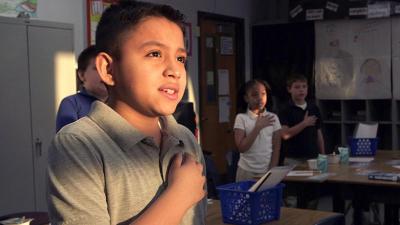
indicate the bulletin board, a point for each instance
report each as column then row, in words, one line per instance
column 353, row 59
column 94, row 10
column 396, row 57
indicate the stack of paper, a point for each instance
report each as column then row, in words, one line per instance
column 273, row 177
column 364, row 130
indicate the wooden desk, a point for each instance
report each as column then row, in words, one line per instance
column 290, row 216
column 347, row 184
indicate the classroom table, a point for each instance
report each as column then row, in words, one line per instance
column 347, row 183
column 292, row 216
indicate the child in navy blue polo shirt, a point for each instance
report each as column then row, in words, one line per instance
column 301, row 124
column 91, row 88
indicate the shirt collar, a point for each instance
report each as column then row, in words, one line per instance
column 292, row 104
column 125, row 135
column 253, row 115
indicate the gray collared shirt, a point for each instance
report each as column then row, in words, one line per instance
column 104, row 171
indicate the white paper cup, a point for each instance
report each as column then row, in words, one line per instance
column 312, row 164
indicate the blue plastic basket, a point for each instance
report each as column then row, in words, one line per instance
column 241, row 207
column 363, row 146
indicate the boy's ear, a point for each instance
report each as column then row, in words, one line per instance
column 80, row 75
column 104, row 66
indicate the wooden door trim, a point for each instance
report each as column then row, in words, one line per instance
column 240, row 53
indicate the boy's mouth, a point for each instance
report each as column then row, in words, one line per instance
column 170, row 92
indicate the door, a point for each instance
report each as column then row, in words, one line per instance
column 16, row 173
column 221, row 72
column 52, row 77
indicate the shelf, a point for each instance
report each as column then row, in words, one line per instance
column 352, row 122
column 382, row 122
column 349, row 130
column 337, row 130
column 331, row 137
column 380, row 110
column 332, row 122
column 355, row 110
column 398, row 110
column 385, row 137
column 330, row 110
column 397, row 138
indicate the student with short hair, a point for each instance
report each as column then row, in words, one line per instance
column 129, row 161
column 301, row 124
column 256, row 132
column 91, row 88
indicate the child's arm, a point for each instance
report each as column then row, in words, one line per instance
column 276, row 148
column 320, row 141
column 289, row 132
column 185, row 188
column 243, row 142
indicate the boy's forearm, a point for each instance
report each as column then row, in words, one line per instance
column 321, row 142
column 168, row 209
column 289, row 132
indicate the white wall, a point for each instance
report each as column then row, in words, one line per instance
column 66, row 11
column 74, row 12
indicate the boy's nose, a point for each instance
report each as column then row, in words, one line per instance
column 169, row 72
column 172, row 68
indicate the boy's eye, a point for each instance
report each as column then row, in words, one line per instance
column 154, row 54
column 181, row 59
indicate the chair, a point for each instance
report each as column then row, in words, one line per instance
column 332, row 220
column 39, row 218
column 232, row 158
column 212, row 175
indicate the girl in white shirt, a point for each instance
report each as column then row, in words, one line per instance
column 256, row 133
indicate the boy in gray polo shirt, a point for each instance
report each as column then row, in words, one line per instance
column 128, row 161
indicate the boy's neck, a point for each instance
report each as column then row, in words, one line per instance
column 299, row 101
column 147, row 125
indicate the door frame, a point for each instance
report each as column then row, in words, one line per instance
column 240, row 51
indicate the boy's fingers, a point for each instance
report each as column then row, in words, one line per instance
column 188, row 158
column 177, row 160
column 200, row 166
column 306, row 114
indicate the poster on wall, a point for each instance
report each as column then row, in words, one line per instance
column 353, row 59
column 18, row 8
column 94, row 10
column 396, row 58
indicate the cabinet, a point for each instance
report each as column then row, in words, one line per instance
column 340, row 118
column 37, row 71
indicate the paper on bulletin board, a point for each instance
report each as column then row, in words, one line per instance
column 224, row 108
column 396, row 77
column 209, row 42
column 226, row 45
column 396, row 58
column 223, row 82
column 353, row 59
column 210, row 77
column 12, row 8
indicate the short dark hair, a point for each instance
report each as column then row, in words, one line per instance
column 123, row 16
column 85, row 57
column 294, row 78
column 250, row 84
column 83, row 62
